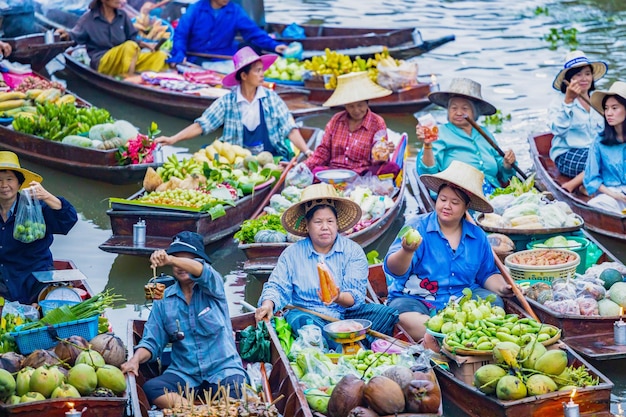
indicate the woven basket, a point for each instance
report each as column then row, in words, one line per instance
column 545, row 272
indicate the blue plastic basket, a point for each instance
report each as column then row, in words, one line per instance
column 49, row 305
column 46, row 337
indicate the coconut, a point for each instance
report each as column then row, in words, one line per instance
column 112, row 378
column 41, row 357
column 68, row 349
column 65, row 391
column 384, row 396
column 7, row 384
column 31, row 396
column 22, row 380
column 44, row 380
column 362, row 412
column 110, row 347
column 11, row 361
column 14, row 399
column 347, row 394
column 91, row 358
column 401, row 375
column 83, row 377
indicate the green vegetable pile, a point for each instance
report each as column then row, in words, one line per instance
column 249, row 228
column 516, row 186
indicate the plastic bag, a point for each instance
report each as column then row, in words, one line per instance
column 24, row 311
column 309, row 336
column 294, row 31
column 300, row 176
column 585, row 289
column 397, row 78
column 254, row 345
column 563, row 290
column 29, row 222
column 383, row 147
column 588, row 306
column 565, row 307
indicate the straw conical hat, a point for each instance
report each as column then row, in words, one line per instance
column 355, row 87
column 465, row 88
column 617, row 89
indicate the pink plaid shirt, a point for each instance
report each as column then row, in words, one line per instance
column 341, row 148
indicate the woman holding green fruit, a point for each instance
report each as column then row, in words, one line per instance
column 18, row 260
column 443, row 253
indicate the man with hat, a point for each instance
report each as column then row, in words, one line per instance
column 252, row 116
column 453, row 254
column 351, row 134
column 573, row 122
column 193, row 316
column 319, row 217
column 459, row 141
column 19, row 259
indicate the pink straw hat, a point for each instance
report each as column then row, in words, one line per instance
column 243, row 57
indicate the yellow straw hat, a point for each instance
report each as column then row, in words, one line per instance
column 348, row 212
column 465, row 177
column 618, row 88
column 9, row 161
column 355, row 87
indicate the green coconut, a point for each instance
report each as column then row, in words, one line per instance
column 112, row 378
column 83, row 377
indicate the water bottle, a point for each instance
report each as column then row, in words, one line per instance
column 378, row 208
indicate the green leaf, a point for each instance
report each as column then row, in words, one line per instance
column 372, row 257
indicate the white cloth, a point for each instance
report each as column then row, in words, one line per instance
column 608, row 203
column 250, row 110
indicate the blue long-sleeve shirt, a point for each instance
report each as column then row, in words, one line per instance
column 606, row 165
column 572, row 126
column 456, row 145
column 295, row 279
column 18, row 260
column 203, row 29
column 437, row 272
column 208, row 351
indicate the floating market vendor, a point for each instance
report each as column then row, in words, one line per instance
column 459, row 141
column 18, row 260
column 193, row 316
column 320, row 217
column 351, row 136
column 111, row 41
column 252, row 116
column 210, row 27
column 452, row 255
column 5, row 49
column 572, row 121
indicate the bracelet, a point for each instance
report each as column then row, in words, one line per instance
column 427, row 146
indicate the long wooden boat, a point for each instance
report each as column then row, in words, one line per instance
column 402, row 43
column 162, row 224
column 597, row 220
column 186, row 106
column 593, row 401
column 262, row 257
column 32, row 49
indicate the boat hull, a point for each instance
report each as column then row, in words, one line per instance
column 33, row 50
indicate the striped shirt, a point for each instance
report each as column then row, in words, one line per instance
column 226, row 112
column 208, row 351
column 295, row 280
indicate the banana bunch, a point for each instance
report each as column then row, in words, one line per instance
column 222, row 153
column 11, row 101
column 151, row 28
column 49, row 95
column 179, row 169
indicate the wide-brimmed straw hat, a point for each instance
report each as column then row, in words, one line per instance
column 464, row 88
column 190, row 242
column 243, row 57
column 348, row 212
column 617, row 89
column 465, row 177
column 355, row 87
column 576, row 59
column 10, row 161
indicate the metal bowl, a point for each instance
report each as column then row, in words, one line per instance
column 334, row 334
column 336, row 176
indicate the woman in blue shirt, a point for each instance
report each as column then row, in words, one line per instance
column 458, row 141
column 605, row 173
column 18, row 260
column 572, row 121
column 453, row 254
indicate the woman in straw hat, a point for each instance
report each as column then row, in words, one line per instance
column 605, row 172
column 320, row 217
column 458, row 141
column 351, row 134
column 572, row 121
column 453, row 254
column 19, row 260
column 252, row 116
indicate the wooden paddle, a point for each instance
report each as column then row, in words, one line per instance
column 211, row 56
column 276, row 186
column 585, row 99
column 493, row 144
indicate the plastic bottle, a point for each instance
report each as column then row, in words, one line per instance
column 378, row 209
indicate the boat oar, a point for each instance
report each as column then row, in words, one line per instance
column 493, row 144
column 276, row 187
column 585, row 99
column 211, row 56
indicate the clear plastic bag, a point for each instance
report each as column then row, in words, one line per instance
column 29, row 222
column 299, row 176
column 309, row 336
column 397, row 78
column 588, row 306
column 25, row 311
column 565, row 307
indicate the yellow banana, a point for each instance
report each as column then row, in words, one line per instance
column 14, row 95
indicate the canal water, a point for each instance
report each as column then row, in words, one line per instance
column 499, row 43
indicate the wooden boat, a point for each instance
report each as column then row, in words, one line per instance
column 186, row 106
column 597, row 220
column 32, row 49
column 163, row 223
column 262, row 257
column 92, row 163
column 593, row 401
column 402, row 43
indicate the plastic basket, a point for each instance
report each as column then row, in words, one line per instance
column 580, row 250
column 49, row 305
column 46, row 337
column 543, row 273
